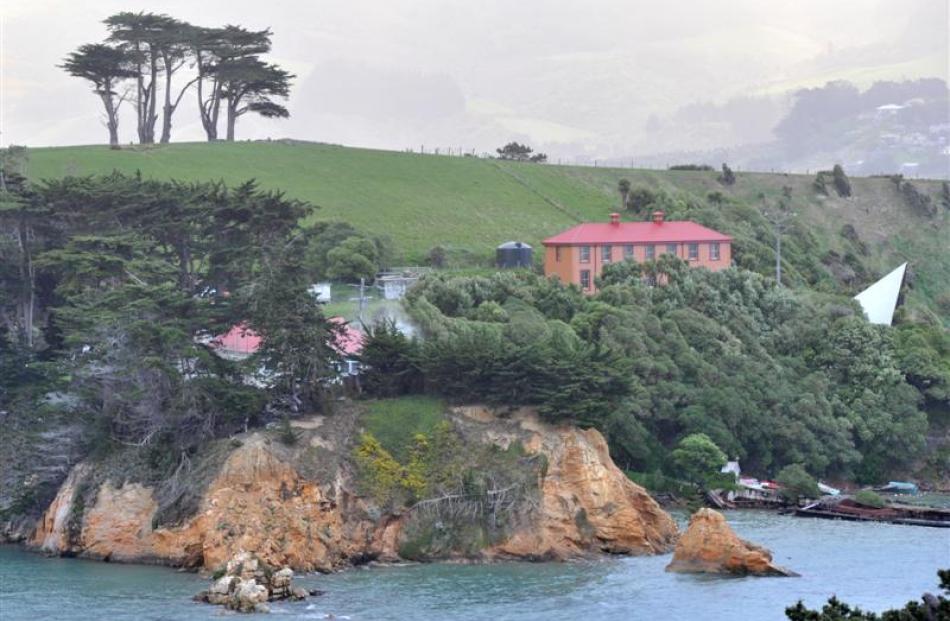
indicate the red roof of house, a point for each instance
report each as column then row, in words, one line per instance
column 240, row 339
column 348, row 340
column 675, row 231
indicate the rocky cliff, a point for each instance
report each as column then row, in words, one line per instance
column 302, row 505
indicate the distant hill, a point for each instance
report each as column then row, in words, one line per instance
column 891, row 127
column 469, row 205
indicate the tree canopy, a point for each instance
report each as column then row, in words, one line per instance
column 520, row 153
column 106, row 67
column 123, row 286
column 771, row 376
column 152, row 48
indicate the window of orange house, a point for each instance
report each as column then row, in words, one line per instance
column 714, row 251
column 585, row 279
column 651, row 252
column 693, row 252
column 585, row 254
column 671, row 249
column 606, row 252
column 628, row 252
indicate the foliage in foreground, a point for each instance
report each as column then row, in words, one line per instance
column 930, row 608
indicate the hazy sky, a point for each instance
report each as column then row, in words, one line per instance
column 569, row 77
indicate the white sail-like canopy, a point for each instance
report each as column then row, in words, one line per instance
column 879, row 301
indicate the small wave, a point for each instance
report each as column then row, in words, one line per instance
column 325, row 615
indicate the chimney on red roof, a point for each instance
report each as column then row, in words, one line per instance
column 615, row 219
column 658, row 217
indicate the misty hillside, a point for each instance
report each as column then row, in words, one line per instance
column 888, row 128
column 469, row 205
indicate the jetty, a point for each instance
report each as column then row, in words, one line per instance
column 847, row 508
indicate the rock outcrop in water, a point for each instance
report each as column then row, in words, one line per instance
column 300, row 506
column 710, row 546
column 247, row 585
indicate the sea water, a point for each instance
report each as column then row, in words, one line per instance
column 874, row 566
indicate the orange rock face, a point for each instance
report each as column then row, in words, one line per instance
column 256, row 503
column 260, row 503
column 587, row 503
column 710, row 546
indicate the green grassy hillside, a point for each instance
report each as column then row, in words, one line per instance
column 470, row 205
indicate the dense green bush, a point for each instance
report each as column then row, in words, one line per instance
column 697, row 458
column 389, row 360
column 920, row 202
column 840, row 180
column 772, row 376
column 692, row 167
column 354, row 258
column 797, row 483
column 641, row 199
column 727, row 177
column 869, row 498
column 337, row 250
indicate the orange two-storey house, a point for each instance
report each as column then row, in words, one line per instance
column 579, row 254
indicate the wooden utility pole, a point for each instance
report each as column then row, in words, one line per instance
column 779, row 219
column 362, row 299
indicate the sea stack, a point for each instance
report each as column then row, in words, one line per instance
column 710, row 546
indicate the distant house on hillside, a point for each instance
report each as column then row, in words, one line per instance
column 241, row 342
column 579, row 254
column 349, row 344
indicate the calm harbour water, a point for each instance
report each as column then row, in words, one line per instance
column 875, row 566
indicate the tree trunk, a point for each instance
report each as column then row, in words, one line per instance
column 140, row 100
column 170, row 107
column 167, row 108
column 211, row 129
column 166, row 123
column 150, row 116
column 208, row 109
column 113, row 137
column 215, row 111
column 112, row 118
column 232, row 121
column 28, row 279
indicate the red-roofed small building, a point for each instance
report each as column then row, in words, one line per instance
column 579, row 254
column 238, row 343
column 241, row 342
column 348, row 342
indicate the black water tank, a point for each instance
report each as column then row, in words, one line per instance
column 513, row 254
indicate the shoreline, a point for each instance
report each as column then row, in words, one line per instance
column 605, row 588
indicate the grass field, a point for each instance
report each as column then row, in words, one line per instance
column 470, row 205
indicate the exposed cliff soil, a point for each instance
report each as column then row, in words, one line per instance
column 303, row 505
column 710, row 546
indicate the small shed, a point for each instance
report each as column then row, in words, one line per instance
column 321, row 292
column 514, row 254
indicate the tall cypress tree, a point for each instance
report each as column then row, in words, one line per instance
column 106, row 67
